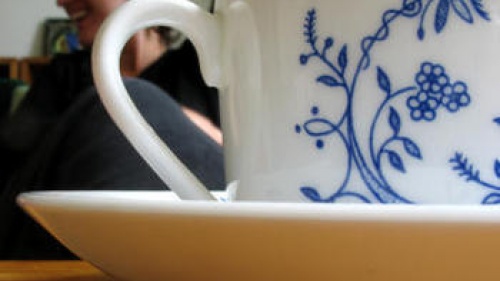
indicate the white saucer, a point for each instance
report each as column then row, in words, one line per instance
column 148, row 236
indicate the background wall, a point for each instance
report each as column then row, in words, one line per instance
column 21, row 27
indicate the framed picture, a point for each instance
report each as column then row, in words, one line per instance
column 60, row 36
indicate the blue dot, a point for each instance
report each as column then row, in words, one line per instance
column 304, row 59
column 315, row 110
column 298, row 129
column 320, row 144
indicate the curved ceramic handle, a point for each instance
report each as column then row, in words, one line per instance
column 202, row 28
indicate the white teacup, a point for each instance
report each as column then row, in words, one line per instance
column 386, row 101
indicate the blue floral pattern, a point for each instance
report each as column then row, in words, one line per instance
column 434, row 92
column 467, row 170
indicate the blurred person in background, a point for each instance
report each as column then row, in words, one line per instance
column 61, row 137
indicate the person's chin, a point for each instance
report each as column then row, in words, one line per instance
column 86, row 41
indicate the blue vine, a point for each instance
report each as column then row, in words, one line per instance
column 433, row 90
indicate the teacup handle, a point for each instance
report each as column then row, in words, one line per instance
column 203, row 29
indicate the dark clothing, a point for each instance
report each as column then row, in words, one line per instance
column 73, row 144
column 178, row 73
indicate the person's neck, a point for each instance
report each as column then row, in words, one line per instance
column 142, row 50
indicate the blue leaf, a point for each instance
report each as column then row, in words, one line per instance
column 497, row 168
column 497, row 120
column 310, row 27
column 394, row 121
column 492, row 199
column 329, row 81
column 396, row 161
column 442, row 13
column 311, row 194
column 462, row 10
column 412, row 148
column 343, row 57
column 383, row 81
column 478, row 6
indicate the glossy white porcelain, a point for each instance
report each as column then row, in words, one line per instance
column 153, row 236
column 387, row 101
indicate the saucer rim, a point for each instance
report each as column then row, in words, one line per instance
column 167, row 202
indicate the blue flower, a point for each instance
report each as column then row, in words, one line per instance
column 432, row 78
column 423, row 106
column 455, row 96
column 435, row 89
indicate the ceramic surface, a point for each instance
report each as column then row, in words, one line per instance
column 389, row 101
column 154, row 236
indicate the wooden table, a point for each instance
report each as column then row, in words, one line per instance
column 50, row 271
